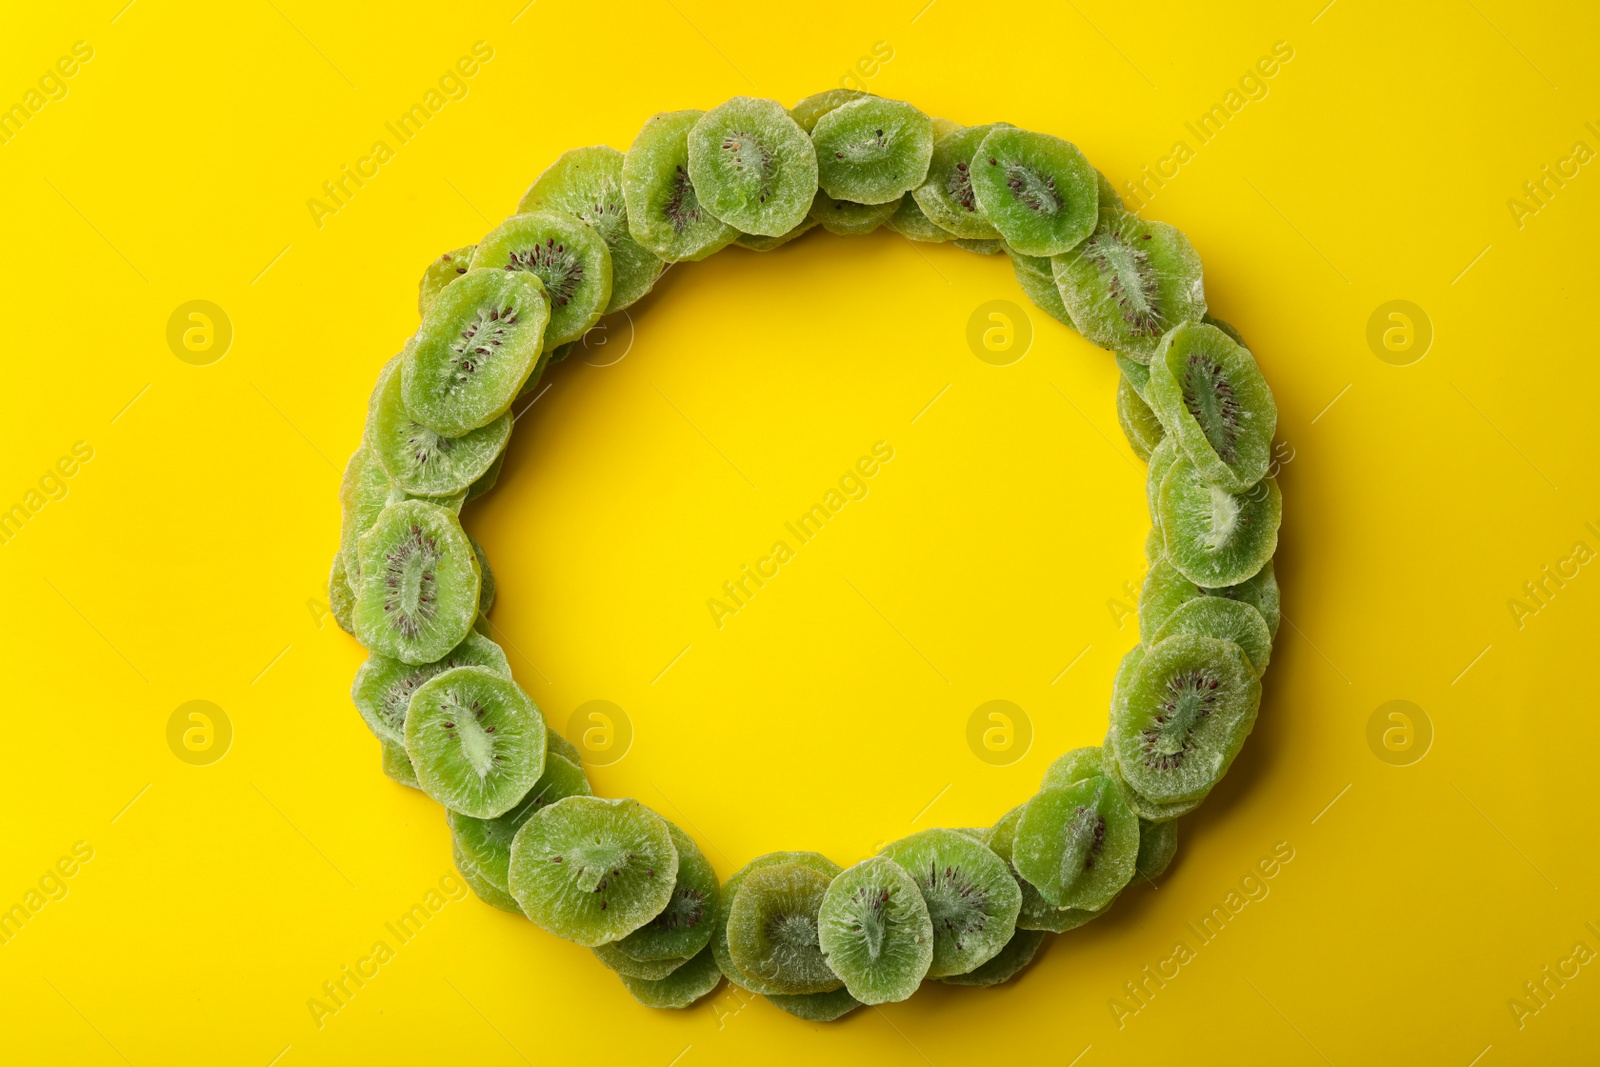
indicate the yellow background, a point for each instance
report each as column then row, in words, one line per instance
column 188, row 558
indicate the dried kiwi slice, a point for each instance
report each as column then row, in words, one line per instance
column 1183, row 717
column 1137, row 374
column 871, row 150
column 628, row 967
column 816, row 1007
column 440, row 273
column 1039, row 284
column 486, row 584
column 684, row 926
column 772, row 929
column 568, row 256
column 758, row 243
column 420, row 461
column 1036, row 913
column 875, row 931
column 1162, row 457
column 1210, row 394
column 1139, row 424
column 689, row 983
column 1078, row 764
column 559, row 745
column 1215, row 537
column 397, row 765
column 753, row 166
column 909, row 222
column 476, row 740
column 1231, row 620
column 586, row 183
column 384, row 685
column 1077, row 843
column 982, row 246
column 1158, row 843
column 477, row 344
column 1259, row 591
column 486, row 843
column 664, row 213
column 1130, row 282
column 809, row 110
column 1006, row 964
column 593, row 870
column 1037, row 190
column 946, row 195
column 971, row 896
column 1165, row 591
column 418, row 591
column 719, row 923
column 341, row 598
column 481, row 887
column 1145, row 808
column 848, row 219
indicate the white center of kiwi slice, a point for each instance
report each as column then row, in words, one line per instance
column 1223, row 518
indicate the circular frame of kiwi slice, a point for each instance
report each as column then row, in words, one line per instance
column 962, row 906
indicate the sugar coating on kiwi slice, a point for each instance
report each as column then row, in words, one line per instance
column 1038, row 191
column 909, row 222
column 875, row 931
column 567, row 255
column 1129, row 282
column 483, row 888
column 1077, row 843
column 683, row 927
column 772, row 929
column 752, row 166
column 440, row 273
column 1144, row 807
column 1158, row 843
column 1209, row 392
column 1215, row 537
column 846, row 218
column 341, row 598
column 1035, row 275
column 476, row 740
column 1183, row 717
column 809, row 109
column 1231, row 620
column 477, row 344
column 871, row 150
column 1139, row 424
column 593, row 870
column 664, row 213
column 486, row 843
column 364, row 491
column 816, row 1007
column 730, row 889
column 384, row 685
column 486, row 583
column 420, row 461
column 1075, row 765
column 947, row 195
column 697, row 978
column 586, row 183
column 397, row 765
column 985, row 246
column 1006, row 964
column 418, row 591
column 971, row 896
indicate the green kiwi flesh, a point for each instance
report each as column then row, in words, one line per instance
column 664, row 213
column 567, row 255
column 752, row 166
column 476, row 740
column 418, row 591
column 871, row 150
column 772, row 929
column 1211, row 396
column 972, row 898
column 1077, row 843
column 875, row 931
column 1038, row 191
